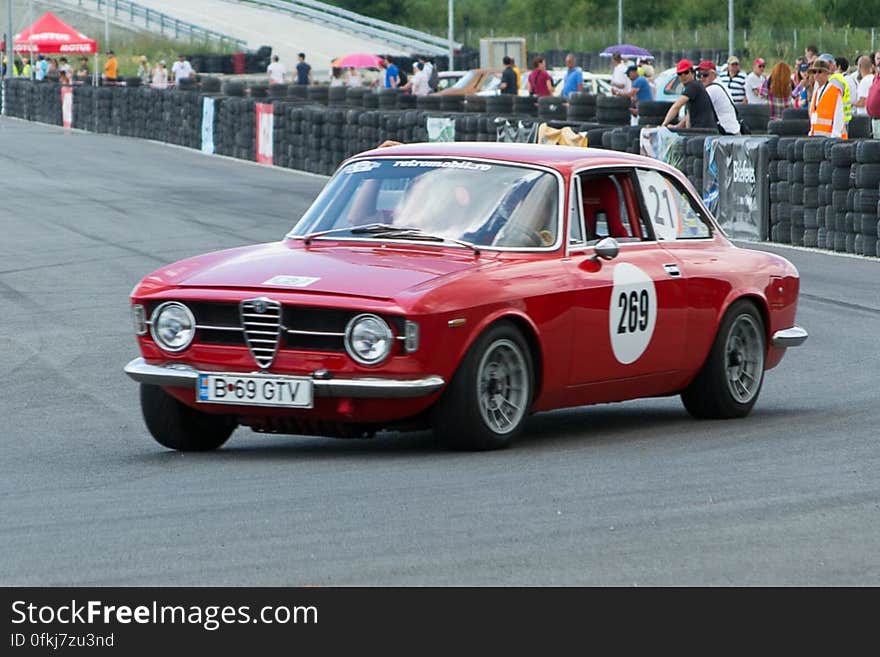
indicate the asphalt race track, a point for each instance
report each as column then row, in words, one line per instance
column 625, row 494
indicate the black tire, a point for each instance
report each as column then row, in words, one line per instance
column 868, row 151
column 177, row 426
column 788, row 127
column 458, row 418
column 793, row 113
column 868, row 176
column 709, row 395
column 843, row 154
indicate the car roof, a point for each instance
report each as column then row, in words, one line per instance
column 562, row 158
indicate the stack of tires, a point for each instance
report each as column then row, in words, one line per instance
column 474, row 104
column 235, row 128
column 582, row 107
column 500, row 105
column 814, row 155
column 843, row 238
column 794, row 123
column 796, row 189
column 825, row 214
column 755, row 117
column 652, row 112
column 780, row 195
column 552, row 108
column 613, row 110
column 693, row 161
column 866, row 200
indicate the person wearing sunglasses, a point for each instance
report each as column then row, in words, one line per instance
column 699, row 106
column 722, row 103
column 754, row 81
column 826, row 103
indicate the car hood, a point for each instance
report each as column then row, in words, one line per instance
column 372, row 270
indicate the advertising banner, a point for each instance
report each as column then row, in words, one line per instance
column 736, row 187
column 67, row 107
column 208, row 125
column 265, row 132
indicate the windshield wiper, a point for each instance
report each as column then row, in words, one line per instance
column 408, row 233
column 395, row 232
column 358, row 230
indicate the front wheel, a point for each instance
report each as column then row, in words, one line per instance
column 488, row 399
column 177, row 426
column 730, row 380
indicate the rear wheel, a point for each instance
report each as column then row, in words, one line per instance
column 177, row 426
column 730, row 380
column 486, row 404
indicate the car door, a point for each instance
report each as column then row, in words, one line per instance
column 629, row 312
column 684, row 231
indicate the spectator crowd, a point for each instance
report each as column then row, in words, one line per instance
column 830, row 90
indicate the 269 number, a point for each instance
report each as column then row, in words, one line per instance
column 634, row 311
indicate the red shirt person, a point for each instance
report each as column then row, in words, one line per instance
column 540, row 83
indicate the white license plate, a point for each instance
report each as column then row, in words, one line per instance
column 255, row 390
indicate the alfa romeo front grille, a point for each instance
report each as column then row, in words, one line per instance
column 261, row 321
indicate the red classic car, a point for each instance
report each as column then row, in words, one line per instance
column 463, row 287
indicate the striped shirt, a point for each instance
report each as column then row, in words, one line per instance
column 736, row 85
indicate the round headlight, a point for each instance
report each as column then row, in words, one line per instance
column 368, row 339
column 173, row 326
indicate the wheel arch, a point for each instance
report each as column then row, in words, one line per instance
column 760, row 303
column 529, row 331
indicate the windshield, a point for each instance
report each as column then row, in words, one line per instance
column 465, row 80
column 487, row 205
column 492, row 82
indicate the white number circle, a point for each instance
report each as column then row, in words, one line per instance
column 632, row 314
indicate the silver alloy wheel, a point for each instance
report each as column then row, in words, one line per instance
column 744, row 358
column 503, row 386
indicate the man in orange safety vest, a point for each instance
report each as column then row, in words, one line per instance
column 826, row 104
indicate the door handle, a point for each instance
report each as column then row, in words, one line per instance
column 672, row 270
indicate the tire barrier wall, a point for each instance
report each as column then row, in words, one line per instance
column 823, row 192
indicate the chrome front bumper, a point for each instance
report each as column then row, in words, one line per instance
column 184, row 376
column 790, row 337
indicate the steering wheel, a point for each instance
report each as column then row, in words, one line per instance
column 532, row 237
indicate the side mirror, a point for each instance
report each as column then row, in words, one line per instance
column 606, row 249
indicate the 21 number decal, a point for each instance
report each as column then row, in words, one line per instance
column 635, row 308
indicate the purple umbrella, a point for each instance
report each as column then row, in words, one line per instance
column 625, row 49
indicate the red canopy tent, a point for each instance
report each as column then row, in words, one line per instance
column 50, row 34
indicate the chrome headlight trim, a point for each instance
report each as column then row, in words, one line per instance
column 381, row 325
column 154, row 326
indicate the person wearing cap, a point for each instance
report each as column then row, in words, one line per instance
column 826, row 103
column 699, row 106
column 111, row 67
column 722, row 103
column 182, row 70
column 734, row 80
column 641, row 90
column 754, row 82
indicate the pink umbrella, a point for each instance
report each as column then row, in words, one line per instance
column 358, row 60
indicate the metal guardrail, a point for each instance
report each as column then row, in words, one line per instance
column 405, row 37
column 155, row 21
